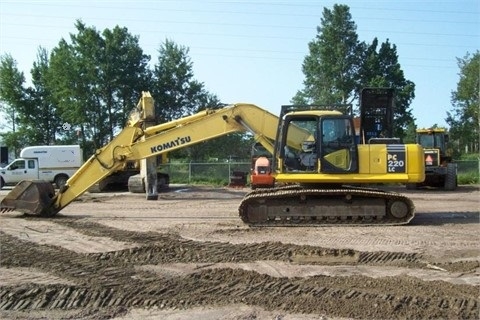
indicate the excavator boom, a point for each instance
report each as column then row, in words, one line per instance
column 133, row 143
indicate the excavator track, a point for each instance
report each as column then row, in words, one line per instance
column 346, row 205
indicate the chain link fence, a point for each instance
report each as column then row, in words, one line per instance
column 214, row 173
column 221, row 173
column 468, row 166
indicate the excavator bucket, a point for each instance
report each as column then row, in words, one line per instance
column 30, row 197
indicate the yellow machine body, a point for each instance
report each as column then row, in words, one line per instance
column 315, row 158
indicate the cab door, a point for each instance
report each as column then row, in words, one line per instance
column 338, row 149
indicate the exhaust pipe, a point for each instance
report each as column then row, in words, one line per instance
column 30, row 197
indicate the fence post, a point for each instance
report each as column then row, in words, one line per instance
column 229, row 171
column 190, row 172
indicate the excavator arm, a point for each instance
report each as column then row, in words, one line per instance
column 133, row 143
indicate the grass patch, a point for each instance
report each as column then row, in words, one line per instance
column 468, row 178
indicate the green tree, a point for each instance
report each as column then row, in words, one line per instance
column 74, row 81
column 331, row 68
column 96, row 80
column 41, row 117
column 410, row 133
column 12, row 91
column 175, row 90
column 380, row 68
column 29, row 111
column 12, row 99
column 125, row 73
column 339, row 66
column 464, row 119
column 178, row 94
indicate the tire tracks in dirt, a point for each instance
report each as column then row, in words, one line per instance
column 113, row 280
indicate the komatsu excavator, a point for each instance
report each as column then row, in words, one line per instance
column 318, row 167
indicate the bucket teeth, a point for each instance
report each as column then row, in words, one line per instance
column 6, row 209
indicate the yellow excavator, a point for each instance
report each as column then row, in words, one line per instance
column 318, row 167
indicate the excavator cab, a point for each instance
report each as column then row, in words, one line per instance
column 317, row 142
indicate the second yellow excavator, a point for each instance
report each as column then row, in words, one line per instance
column 318, row 167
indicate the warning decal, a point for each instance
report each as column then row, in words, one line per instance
column 429, row 160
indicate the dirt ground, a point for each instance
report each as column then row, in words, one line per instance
column 189, row 256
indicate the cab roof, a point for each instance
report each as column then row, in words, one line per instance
column 317, row 113
column 323, row 109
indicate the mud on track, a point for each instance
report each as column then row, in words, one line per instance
column 164, row 270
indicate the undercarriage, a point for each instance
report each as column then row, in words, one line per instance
column 303, row 206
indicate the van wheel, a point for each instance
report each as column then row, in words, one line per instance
column 61, row 180
column 1, row 183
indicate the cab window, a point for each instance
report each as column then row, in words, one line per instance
column 19, row 164
column 31, row 164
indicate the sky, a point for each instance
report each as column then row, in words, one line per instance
column 252, row 51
